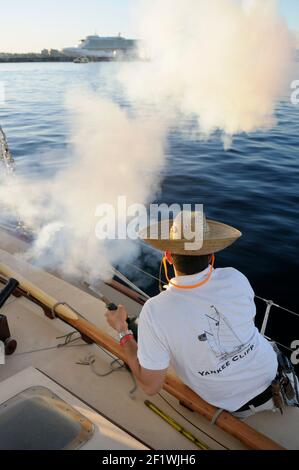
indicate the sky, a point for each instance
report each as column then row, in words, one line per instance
column 32, row 25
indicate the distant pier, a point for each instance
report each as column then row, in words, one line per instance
column 18, row 58
column 56, row 56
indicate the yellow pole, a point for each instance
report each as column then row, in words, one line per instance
column 176, row 426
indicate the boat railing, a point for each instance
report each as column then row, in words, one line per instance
column 269, row 306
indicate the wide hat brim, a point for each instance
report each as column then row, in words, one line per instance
column 219, row 237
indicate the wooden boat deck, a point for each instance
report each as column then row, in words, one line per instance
column 37, row 349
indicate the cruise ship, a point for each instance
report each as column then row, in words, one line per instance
column 103, row 47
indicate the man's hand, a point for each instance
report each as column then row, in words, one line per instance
column 117, row 319
column 151, row 381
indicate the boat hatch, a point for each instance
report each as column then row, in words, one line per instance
column 37, row 419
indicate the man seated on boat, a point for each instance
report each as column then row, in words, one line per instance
column 203, row 324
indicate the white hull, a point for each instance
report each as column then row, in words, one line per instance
column 76, row 52
column 102, row 47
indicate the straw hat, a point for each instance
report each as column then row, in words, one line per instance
column 168, row 235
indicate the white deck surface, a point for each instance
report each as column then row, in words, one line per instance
column 106, row 435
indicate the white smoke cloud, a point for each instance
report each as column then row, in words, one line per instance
column 225, row 62
column 112, row 156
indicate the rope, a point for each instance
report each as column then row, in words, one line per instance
column 216, row 416
column 130, row 283
column 144, row 272
column 257, row 297
column 277, row 306
column 90, row 361
column 269, row 303
column 68, row 338
column 67, row 343
column 279, row 344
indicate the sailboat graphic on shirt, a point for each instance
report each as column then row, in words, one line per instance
column 220, row 336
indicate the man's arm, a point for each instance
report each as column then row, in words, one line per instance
column 151, row 381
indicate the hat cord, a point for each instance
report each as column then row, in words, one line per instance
column 199, row 284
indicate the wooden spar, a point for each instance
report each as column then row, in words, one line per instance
column 233, row 426
column 240, row 430
column 62, row 310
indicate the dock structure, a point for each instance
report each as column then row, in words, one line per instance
column 95, row 48
column 39, row 57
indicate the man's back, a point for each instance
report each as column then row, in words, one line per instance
column 208, row 334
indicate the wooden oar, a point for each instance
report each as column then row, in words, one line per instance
column 240, row 430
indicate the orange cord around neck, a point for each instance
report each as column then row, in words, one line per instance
column 199, row 284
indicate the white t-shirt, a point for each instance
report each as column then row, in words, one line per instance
column 209, row 336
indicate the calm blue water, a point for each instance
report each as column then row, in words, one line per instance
column 253, row 186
